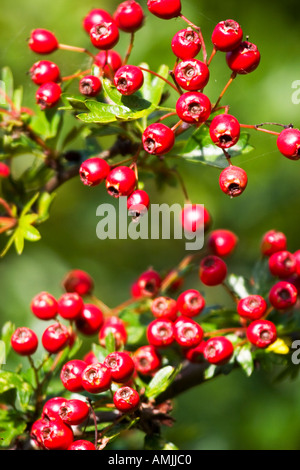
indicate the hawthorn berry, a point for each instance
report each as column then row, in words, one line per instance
column 147, row 360
column 261, row 333
column 90, row 86
column 52, row 435
column 74, row 411
column 218, row 350
column 93, row 171
column 44, row 306
column 42, row 41
column 44, row 71
column 224, row 130
column 121, row 366
column 126, row 399
column 158, row 139
column 244, row 59
column 160, row 333
column 90, row 358
column 138, row 203
column 24, row 341
column 227, row 35
column 186, row 44
column 78, row 281
column 51, row 408
column 48, row 95
column 190, row 303
column 81, row 444
column 128, row 79
column 69, row 305
column 4, row 170
column 164, row 308
column 213, row 270
column 96, row 378
column 273, row 241
column 282, row 264
column 187, row 332
column 70, row 375
column 115, row 326
column 129, row 16
column 252, row 307
column 195, row 354
column 288, row 143
column 222, row 242
column 55, row 338
column 233, row 181
column 283, row 295
column 110, row 61
column 191, row 74
column 194, row 217
column 149, row 283
column 193, row 107
column 121, row 181
column 90, row 320
column 164, row 9
column 95, row 17
column 104, row 35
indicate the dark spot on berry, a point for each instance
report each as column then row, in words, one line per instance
column 284, row 294
column 234, row 189
column 189, row 71
column 265, row 335
column 112, row 191
column 225, row 139
column 150, row 145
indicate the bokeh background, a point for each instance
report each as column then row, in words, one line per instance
column 233, row 412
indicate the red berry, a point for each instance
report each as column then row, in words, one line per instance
column 90, row 358
column 81, row 444
column 121, row 366
column 213, row 270
column 149, row 283
column 222, row 242
column 44, row 71
column 71, row 375
column 24, row 341
column 90, row 320
column 109, row 61
column 90, row 86
column 288, row 143
column 186, row 44
column 273, row 241
column 147, row 360
column 104, row 35
column 48, row 95
column 187, row 332
column 282, row 264
column 96, row 378
column 190, row 303
column 93, row 171
column 44, row 306
column 129, row 16
column 252, row 307
column 194, row 217
column 160, row 333
column 51, row 408
column 121, row 181
column 244, row 59
column 218, row 350
column 69, row 305
column 233, row 181
column 224, row 130
column 128, row 79
column 135, row 290
column 283, row 295
column 4, row 170
column 138, row 203
column 52, row 435
column 227, row 35
column 126, row 399
column 78, row 281
column 115, row 326
column 42, row 41
column 192, row 74
column 164, row 308
column 261, row 333
column 74, row 411
column 193, row 107
column 158, row 139
column 95, row 17
column 297, row 258
column 55, row 338
column 165, row 9
column 195, row 354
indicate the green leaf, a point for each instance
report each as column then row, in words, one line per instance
column 10, row 380
column 12, row 425
column 19, row 240
column 29, row 205
column 7, row 85
column 244, row 357
column 44, row 203
column 18, row 98
column 76, row 103
column 6, row 334
column 110, row 343
column 99, row 352
column 161, row 381
column 240, row 286
column 31, row 234
column 261, row 277
column 153, row 88
column 210, row 372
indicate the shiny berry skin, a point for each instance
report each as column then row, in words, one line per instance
column 164, row 9
column 233, row 181
column 195, row 355
column 187, row 332
column 192, row 74
column 160, row 333
column 138, row 203
column 78, row 281
column 194, row 217
column 147, row 360
column 48, row 95
column 44, row 306
column 158, row 139
column 81, row 444
column 90, row 86
column 213, row 270
column 121, row 366
column 104, row 35
column 96, row 378
column 69, row 305
column 222, row 242
column 71, row 375
column 288, row 143
column 227, row 35
column 128, row 79
column 24, row 341
column 224, row 130
column 186, row 44
column 110, row 61
column 149, row 283
column 282, row 264
column 4, row 170
column 95, row 17
column 115, row 326
column 93, row 171
column 44, row 71
column 126, row 399
column 52, row 435
column 252, row 307
column 190, row 303
column 74, row 411
column 51, row 408
column 218, row 350
column 244, row 59
column 261, row 333
column 90, row 320
column 193, row 107
column 120, row 181
column 129, row 16
column 283, row 295
column 42, row 41
column 55, row 338
column 164, row 308
column 273, row 241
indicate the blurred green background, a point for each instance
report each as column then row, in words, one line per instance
column 233, row 412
